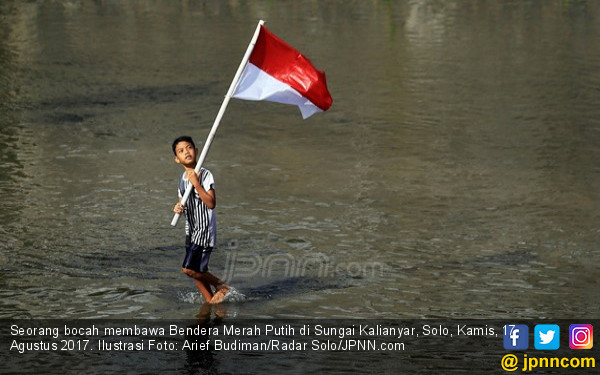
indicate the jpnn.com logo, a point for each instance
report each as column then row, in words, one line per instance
column 516, row 336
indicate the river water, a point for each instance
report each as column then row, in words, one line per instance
column 456, row 174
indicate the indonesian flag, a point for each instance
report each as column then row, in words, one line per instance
column 278, row 73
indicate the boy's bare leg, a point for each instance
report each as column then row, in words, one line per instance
column 221, row 289
column 215, row 281
column 201, row 283
column 219, row 296
column 204, row 280
column 204, row 288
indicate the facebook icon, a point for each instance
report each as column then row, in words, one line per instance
column 516, row 336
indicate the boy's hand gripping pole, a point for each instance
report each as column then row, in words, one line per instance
column 213, row 130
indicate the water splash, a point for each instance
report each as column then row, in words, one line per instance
column 195, row 297
column 234, row 296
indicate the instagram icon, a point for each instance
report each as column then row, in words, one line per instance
column 581, row 336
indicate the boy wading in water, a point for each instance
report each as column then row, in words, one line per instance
column 201, row 223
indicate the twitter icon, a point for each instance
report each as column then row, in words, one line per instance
column 546, row 337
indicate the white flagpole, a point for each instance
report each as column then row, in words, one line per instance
column 213, row 130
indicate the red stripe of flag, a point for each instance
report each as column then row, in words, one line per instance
column 273, row 56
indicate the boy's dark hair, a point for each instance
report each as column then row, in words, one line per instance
column 183, row 138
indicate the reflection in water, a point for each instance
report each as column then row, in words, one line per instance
column 201, row 357
column 461, row 154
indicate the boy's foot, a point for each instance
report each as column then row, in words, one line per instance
column 220, row 295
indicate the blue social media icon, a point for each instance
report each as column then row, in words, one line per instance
column 546, row 337
column 516, row 336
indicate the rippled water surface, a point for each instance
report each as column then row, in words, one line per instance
column 456, row 174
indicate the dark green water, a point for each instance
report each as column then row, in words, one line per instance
column 456, row 174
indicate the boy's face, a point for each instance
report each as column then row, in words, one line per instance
column 185, row 153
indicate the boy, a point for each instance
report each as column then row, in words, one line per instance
column 200, row 225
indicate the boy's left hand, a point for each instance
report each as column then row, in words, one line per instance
column 178, row 209
column 191, row 175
